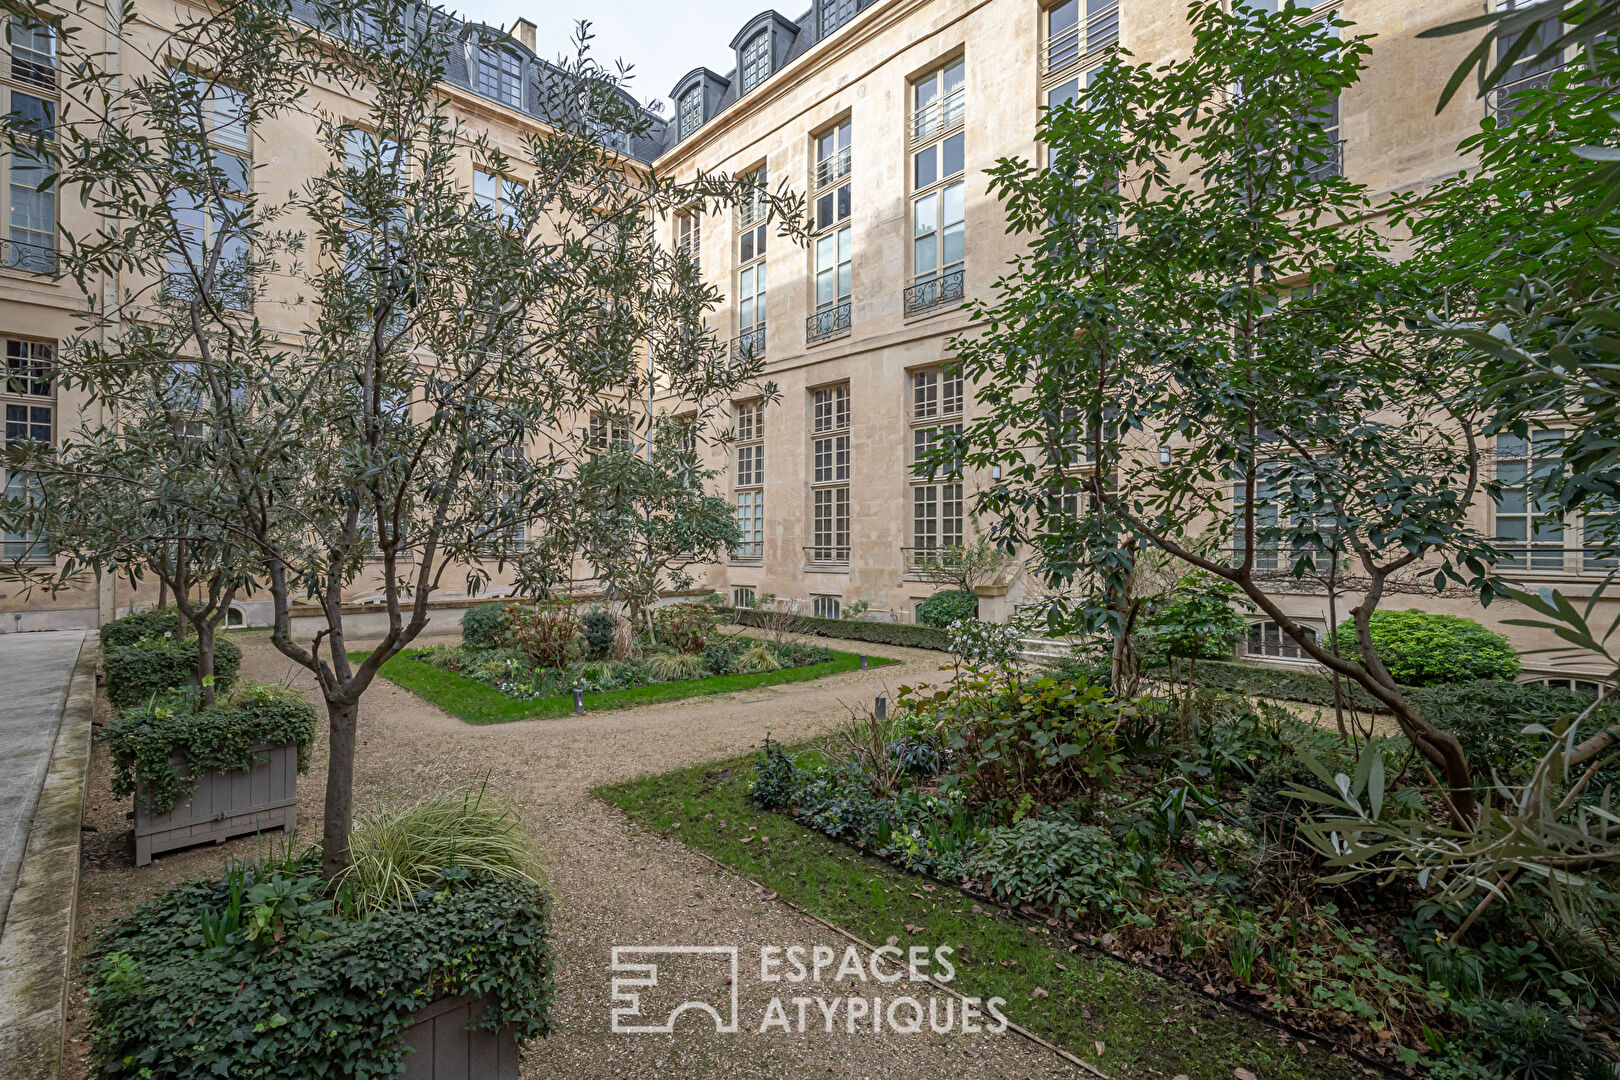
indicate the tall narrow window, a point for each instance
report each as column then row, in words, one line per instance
column 936, row 495
column 751, row 225
column 1077, row 30
column 32, row 215
column 835, row 13
column 750, row 479
column 833, row 239
column 938, row 202
column 830, row 472
column 1530, row 72
column 689, row 237
column 212, row 215
column 690, row 116
column 500, row 75
column 28, row 396
column 1529, row 527
column 756, row 60
column 33, row 52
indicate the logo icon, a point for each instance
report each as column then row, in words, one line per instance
column 642, row 974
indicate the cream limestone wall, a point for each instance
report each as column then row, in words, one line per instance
column 1395, row 140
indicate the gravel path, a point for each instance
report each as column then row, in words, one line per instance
column 613, row 884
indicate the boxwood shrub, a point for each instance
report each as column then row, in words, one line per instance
column 948, row 606
column 139, row 624
column 263, row 974
column 482, row 624
column 1426, row 648
column 905, row 634
column 151, row 666
column 1308, row 685
column 145, row 741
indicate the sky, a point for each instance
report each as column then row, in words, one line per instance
column 661, row 40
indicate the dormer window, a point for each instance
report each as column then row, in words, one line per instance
column 835, row 13
column 691, row 111
column 756, row 60
column 499, row 75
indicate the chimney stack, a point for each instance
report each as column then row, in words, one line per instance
column 524, row 30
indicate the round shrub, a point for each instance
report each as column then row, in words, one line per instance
column 1075, row 869
column 948, row 606
column 599, row 629
column 264, row 974
column 155, row 623
column 683, row 627
column 1423, row 648
column 483, row 624
column 145, row 741
column 154, row 666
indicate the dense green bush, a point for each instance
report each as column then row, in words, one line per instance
column 1424, row 648
column 1489, row 716
column 683, row 627
column 1075, row 869
column 904, row 634
column 599, row 628
column 144, row 740
column 482, row 625
column 261, row 974
column 154, row 623
column 1307, row 685
column 947, row 606
column 153, row 666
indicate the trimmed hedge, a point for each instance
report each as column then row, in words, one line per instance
column 262, row 974
column 908, row 635
column 1428, row 648
column 153, row 666
column 138, row 625
column 1306, row 685
column 948, row 606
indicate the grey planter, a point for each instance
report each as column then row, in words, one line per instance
column 224, row 805
column 445, row 1046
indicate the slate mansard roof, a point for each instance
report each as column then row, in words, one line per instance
column 541, row 78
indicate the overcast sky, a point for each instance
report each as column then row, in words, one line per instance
column 661, row 40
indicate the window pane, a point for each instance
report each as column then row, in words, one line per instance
column 951, row 148
column 954, row 238
column 925, row 215
column 924, row 256
column 954, row 205
column 925, row 171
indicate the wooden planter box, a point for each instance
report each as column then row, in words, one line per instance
column 444, row 1045
column 224, row 805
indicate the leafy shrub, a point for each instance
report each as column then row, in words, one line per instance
column 720, row 657
column 260, row 975
column 1423, row 648
column 948, row 606
column 776, row 777
column 800, row 653
column 1056, row 864
column 674, row 667
column 903, row 634
column 154, row 623
column 683, row 627
column 1489, row 716
column 544, row 635
column 1197, row 618
column 483, row 624
column 984, row 644
column 1268, row 805
column 398, row 852
column 1530, row 1041
column 143, row 740
column 759, row 658
column 599, row 628
column 1285, row 684
column 153, row 666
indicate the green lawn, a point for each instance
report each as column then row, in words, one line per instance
column 477, row 703
column 1147, row 1025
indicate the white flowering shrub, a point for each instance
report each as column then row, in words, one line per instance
column 984, row 644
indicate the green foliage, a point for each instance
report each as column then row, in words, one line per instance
column 1057, row 865
column 683, row 627
column 903, row 634
column 776, row 779
column 1197, row 618
column 399, row 852
column 144, row 740
column 1304, row 685
column 759, row 658
column 599, row 628
column 260, row 975
column 948, row 606
column 1489, row 718
column 674, row 667
column 152, row 623
column 1532, row 1041
column 545, row 635
column 1269, row 807
column 1424, row 648
column 483, row 625
column 153, row 666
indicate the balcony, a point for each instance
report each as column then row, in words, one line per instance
column 829, row 171
column 934, row 293
column 1331, row 165
column 1068, row 48
column 31, row 258
column 750, row 343
column 939, row 116
column 1555, row 559
column 826, row 324
column 939, row 558
column 827, row 557
column 1505, row 102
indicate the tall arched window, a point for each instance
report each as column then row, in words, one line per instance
column 756, row 60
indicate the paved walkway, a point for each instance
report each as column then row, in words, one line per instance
column 38, row 668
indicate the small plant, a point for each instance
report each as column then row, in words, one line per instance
column 776, row 777
column 599, row 628
column 483, row 624
column 1242, row 950
column 1423, row 648
column 985, row 644
column 675, row 667
column 855, row 609
column 545, row 635
column 683, row 627
column 948, row 606
column 1055, row 864
column 758, row 658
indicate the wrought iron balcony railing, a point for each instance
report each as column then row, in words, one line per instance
column 831, row 170
column 31, row 258
column 826, row 555
column 1067, row 48
column 826, row 324
column 1506, row 102
column 933, row 293
column 940, row 557
column 1332, row 165
column 750, row 343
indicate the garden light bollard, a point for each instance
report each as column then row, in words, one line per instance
column 863, row 661
column 882, row 709
column 579, row 701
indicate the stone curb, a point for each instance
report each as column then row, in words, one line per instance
column 37, row 950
